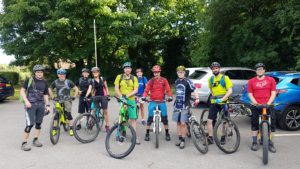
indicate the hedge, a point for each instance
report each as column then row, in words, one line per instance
column 13, row 77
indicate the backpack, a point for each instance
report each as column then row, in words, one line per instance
column 152, row 82
column 93, row 86
column 222, row 81
column 67, row 83
column 131, row 77
column 30, row 82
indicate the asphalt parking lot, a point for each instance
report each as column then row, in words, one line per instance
column 71, row 154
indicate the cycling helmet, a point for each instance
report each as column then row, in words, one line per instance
column 61, row 72
column 215, row 64
column 38, row 68
column 180, row 68
column 156, row 68
column 85, row 70
column 126, row 64
column 260, row 65
column 95, row 69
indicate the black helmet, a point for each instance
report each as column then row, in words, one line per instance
column 95, row 69
column 260, row 65
column 85, row 70
column 38, row 68
column 215, row 64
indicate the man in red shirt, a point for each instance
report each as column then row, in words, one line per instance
column 157, row 86
column 262, row 90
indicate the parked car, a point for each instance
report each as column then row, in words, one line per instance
column 288, row 95
column 191, row 70
column 238, row 75
column 6, row 88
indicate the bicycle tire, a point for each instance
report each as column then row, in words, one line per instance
column 265, row 136
column 54, row 139
column 218, row 142
column 156, row 132
column 201, row 146
column 91, row 119
column 109, row 136
column 203, row 120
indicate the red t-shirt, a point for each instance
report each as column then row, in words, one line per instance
column 157, row 88
column 261, row 89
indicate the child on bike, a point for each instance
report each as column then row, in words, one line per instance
column 184, row 89
column 142, row 85
column 63, row 87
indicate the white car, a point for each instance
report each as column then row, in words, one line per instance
column 239, row 77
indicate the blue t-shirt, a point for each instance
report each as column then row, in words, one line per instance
column 142, row 80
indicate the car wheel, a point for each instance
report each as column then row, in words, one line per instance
column 290, row 119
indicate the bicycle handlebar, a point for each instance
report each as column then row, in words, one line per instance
column 120, row 100
column 95, row 97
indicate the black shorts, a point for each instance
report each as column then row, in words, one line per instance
column 83, row 106
column 101, row 102
column 213, row 111
column 35, row 114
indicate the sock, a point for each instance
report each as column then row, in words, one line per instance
column 254, row 139
column 71, row 127
column 148, row 131
column 179, row 137
column 167, row 131
column 24, row 142
column 183, row 139
column 35, row 138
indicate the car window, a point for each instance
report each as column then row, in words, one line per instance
column 198, row 74
column 187, row 73
column 296, row 81
column 248, row 74
column 234, row 74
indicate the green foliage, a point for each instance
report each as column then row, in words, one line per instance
column 13, row 77
column 242, row 33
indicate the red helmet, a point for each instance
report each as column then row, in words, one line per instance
column 156, row 68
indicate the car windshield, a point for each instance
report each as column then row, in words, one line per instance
column 198, row 74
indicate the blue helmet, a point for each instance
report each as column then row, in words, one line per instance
column 126, row 64
column 61, row 72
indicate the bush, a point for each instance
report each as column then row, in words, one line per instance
column 13, row 77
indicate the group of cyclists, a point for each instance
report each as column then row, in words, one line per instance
column 36, row 92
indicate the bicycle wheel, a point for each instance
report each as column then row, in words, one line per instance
column 265, row 136
column 156, row 132
column 100, row 118
column 120, row 140
column 55, row 128
column 231, row 136
column 203, row 120
column 199, row 137
column 89, row 130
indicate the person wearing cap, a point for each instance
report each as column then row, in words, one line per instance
column 221, row 88
column 261, row 90
column 126, row 86
column 157, row 87
column 36, row 98
column 142, row 85
column 184, row 88
column 63, row 88
column 98, row 87
column 83, row 85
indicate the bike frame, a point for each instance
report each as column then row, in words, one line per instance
column 157, row 113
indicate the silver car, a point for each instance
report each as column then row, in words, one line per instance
column 239, row 76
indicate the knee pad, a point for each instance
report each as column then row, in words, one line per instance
column 28, row 128
column 149, row 120
column 164, row 120
column 69, row 115
column 38, row 126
